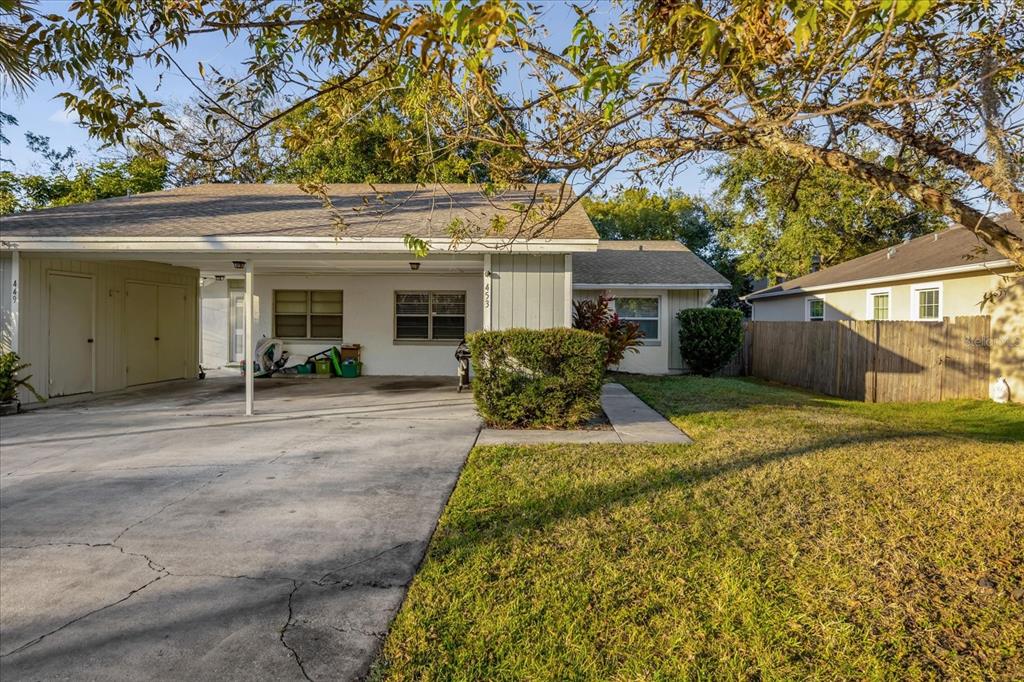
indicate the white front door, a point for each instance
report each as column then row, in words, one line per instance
column 237, row 326
column 72, row 342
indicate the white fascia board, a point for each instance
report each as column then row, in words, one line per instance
column 596, row 287
column 938, row 272
column 250, row 244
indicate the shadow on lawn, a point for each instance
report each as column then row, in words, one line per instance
column 538, row 513
column 697, row 398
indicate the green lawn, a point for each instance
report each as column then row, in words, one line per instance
column 800, row 536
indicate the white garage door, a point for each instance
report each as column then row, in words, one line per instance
column 155, row 340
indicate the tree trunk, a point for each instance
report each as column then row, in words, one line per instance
column 984, row 174
column 988, row 230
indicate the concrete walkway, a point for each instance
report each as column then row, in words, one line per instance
column 632, row 420
column 635, row 421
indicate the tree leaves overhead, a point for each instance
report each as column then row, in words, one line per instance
column 783, row 213
column 638, row 213
column 645, row 86
column 65, row 181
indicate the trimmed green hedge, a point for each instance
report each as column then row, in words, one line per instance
column 709, row 338
column 537, row 377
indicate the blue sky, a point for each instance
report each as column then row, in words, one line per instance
column 42, row 113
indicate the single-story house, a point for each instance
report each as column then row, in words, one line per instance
column 649, row 282
column 140, row 289
column 944, row 274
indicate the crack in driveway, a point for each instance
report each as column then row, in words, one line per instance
column 152, row 565
column 296, row 584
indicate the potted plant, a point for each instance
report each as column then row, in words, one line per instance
column 10, row 365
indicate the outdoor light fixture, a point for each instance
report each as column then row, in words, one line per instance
column 239, row 264
column 414, row 266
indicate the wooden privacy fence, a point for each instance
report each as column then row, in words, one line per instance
column 873, row 361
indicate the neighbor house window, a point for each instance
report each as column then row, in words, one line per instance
column 815, row 309
column 430, row 315
column 302, row 314
column 878, row 304
column 643, row 311
column 926, row 301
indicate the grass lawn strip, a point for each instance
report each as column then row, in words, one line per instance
column 800, row 536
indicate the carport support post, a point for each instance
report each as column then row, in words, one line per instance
column 249, row 347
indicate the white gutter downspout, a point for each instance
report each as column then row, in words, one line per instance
column 250, row 349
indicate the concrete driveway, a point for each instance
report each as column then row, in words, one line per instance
column 157, row 534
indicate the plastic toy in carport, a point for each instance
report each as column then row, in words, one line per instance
column 270, row 357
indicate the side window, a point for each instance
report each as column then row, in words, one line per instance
column 878, row 304
column 815, row 309
column 928, row 304
column 643, row 311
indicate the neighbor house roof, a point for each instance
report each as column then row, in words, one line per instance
column 950, row 251
column 281, row 210
column 637, row 264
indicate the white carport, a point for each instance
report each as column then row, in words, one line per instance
column 282, row 240
column 501, row 289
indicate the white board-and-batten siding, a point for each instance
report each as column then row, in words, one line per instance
column 532, row 291
column 109, row 280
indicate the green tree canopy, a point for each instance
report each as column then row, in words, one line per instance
column 783, row 212
column 638, row 213
column 65, row 181
column 656, row 85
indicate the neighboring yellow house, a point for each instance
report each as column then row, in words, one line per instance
column 945, row 274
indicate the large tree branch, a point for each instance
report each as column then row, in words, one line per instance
column 988, row 230
column 984, row 174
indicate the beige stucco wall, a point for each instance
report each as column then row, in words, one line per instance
column 961, row 295
column 1007, row 342
column 108, row 280
column 660, row 356
column 369, row 317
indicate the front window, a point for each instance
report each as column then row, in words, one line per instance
column 928, row 304
column 303, row 314
column 430, row 315
column 643, row 311
column 880, row 306
column 815, row 310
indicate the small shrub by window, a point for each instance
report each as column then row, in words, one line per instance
column 709, row 338
column 596, row 315
column 548, row 378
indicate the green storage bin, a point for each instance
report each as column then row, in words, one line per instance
column 323, row 366
column 351, row 369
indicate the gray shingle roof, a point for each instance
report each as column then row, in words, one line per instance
column 956, row 246
column 285, row 210
column 657, row 263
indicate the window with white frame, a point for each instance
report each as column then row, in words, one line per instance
column 815, row 309
column 430, row 315
column 926, row 301
column 308, row 314
column 879, row 304
column 643, row 311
